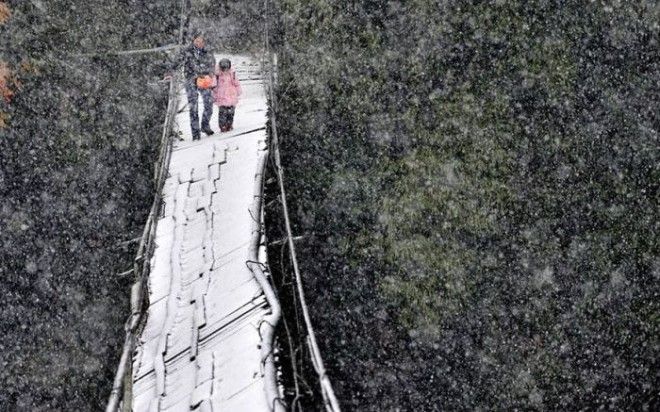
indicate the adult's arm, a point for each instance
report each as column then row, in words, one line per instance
column 175, row 62
column 209, row 64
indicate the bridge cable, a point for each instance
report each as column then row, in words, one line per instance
column 327, row 390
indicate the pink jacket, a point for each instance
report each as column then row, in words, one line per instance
column 228, row 88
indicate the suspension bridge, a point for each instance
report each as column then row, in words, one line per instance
column 204, row 313
column 201, row 343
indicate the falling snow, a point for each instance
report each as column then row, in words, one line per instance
column 473, row 188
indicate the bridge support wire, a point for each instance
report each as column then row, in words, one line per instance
column 267, row 326
column 329, row 398
column 121, row 394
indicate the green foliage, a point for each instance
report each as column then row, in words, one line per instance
column 480, row 183
column 76, row 162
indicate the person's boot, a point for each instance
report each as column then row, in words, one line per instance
column 207, row 130
column 195, row 136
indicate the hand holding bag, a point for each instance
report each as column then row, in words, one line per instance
column 204, row 82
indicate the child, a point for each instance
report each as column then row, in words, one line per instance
column 226, row 94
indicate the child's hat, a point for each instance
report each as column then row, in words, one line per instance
column 224, row 64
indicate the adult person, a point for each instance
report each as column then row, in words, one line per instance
column 198, row 62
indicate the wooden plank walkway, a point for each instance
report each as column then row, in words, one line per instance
column 201, row 345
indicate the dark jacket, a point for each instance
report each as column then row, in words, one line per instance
column 196, row 62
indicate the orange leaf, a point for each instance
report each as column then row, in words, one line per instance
column 5, row 13
column 5, row 78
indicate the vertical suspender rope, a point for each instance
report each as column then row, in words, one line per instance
column 327, row 391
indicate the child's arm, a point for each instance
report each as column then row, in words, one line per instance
column 237, row 84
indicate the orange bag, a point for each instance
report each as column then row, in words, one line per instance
column 204, row 82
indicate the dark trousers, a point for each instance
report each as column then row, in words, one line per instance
column 226, row 117
column 191, row 92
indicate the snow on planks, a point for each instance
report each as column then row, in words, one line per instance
column 200, row 347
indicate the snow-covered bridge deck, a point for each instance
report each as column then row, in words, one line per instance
column 201, row 344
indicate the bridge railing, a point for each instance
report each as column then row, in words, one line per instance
column 121, row 393
column 330, row 401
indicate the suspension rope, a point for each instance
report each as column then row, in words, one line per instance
column 129, row 52
column 123, row 383
column 327, row 391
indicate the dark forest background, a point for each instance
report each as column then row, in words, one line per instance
column 76, row 166
column 476, row 184
column 477, row 187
